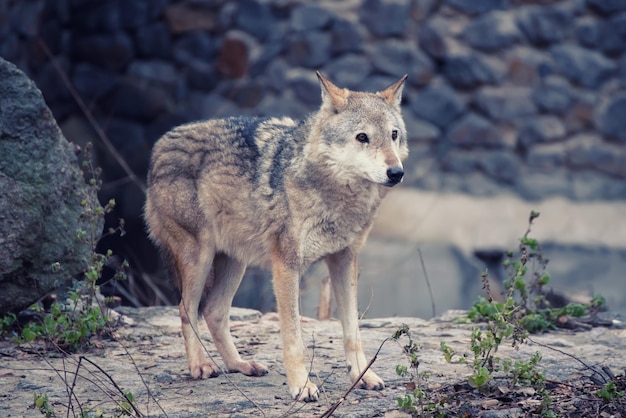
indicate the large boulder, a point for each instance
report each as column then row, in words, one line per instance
column 40, row 203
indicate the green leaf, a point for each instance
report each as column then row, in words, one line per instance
column 531, row 242
column 480, row 378
column 28, row 335
column 544, row 280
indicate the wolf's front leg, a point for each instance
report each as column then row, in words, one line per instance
column 286, row 288
column 344, row 276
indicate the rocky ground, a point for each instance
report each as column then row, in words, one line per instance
column 146, row 358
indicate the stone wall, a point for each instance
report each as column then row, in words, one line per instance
column 503, row 94
column 522, row 96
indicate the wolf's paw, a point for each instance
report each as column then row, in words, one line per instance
column 306, row 393
column 249, row 368
column 204, row 370
column 371, row 381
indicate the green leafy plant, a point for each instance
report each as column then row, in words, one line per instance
column 42, row 404
column 610, row 393
column 8, row 323
column 510, row 321
column 410, row 401
column 70, row 324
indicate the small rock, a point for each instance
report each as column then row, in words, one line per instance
column 309, row 17
column 200, row 75
column 421, row 130
column 247, row 94
column 276, row 74
column 132, row 100
column 348, row 70
column 503, row 413
column 244, row 314
column 537, row 182
column 582, row 66
column 184, row 17
column 611, row 118
column 492, row 31
column 164, row 378
column 473, row 7
column 607, row 7
column 396, row 58
column 195, row 46
column 102, row 17
column 268, row 53
column 604, row 36
column 433, row 40
column 112, row 52
column 546, row 157
column 458, row 162
column 157, row 71
column 305, row 85
column 136, row 14
column 91, row 81
column 256, row 18
column 505, row 103
column 581, row 113
column 540, row 130
column 502, row 167
column 468, row 70
column 474, row 130
column 385, row 17
column 309, row 49
column 527, row 66
column 553, row 95
column 439, row 105
column 544, row 25
column 590, row 152
column 26, row 17
column 153, row 40
column 233, row 60
column 346, row 36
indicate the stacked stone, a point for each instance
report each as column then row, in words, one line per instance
column 502, row 94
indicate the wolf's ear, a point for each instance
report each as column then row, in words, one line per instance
column 393, row 93
column 332, row 95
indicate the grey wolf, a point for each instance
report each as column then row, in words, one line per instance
column 282, row 194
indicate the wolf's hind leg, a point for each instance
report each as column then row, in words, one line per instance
column 194, row 267
column 228, row 273
column 344, row 277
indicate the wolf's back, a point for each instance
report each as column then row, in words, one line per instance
column 223, row 176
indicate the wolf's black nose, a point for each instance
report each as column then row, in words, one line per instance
column 395, row 174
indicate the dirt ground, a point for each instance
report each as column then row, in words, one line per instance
column 146, row 359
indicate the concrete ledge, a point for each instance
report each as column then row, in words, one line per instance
column 468, row 222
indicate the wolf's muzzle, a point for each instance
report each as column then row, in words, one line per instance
column 394, row 175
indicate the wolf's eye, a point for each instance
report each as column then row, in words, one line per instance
column 362, row 138
column 394, row 134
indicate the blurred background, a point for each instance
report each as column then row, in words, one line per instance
column 511, row 105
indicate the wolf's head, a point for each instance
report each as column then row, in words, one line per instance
column 362, row 135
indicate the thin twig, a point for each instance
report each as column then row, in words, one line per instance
column 430, row 290
column 593, row 369
column 343, row 396
column 92, row 120
column 369, row 304
column 131, row 403
column 71, row 388
column 145, row 384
